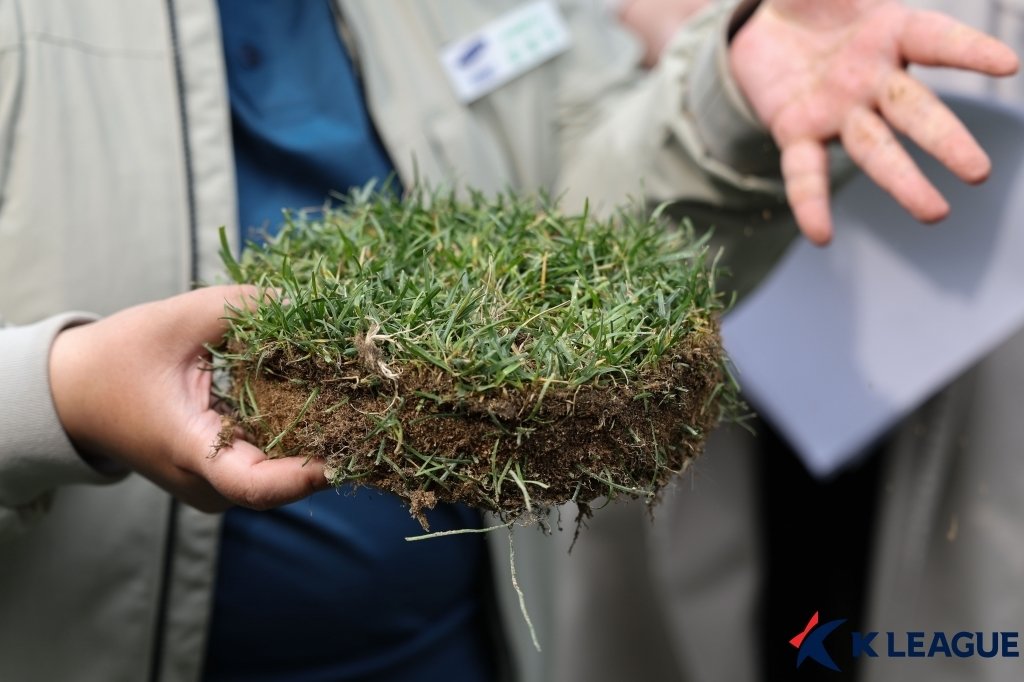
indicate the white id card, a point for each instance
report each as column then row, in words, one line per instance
column 504, row 49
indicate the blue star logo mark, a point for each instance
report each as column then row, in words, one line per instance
column 811, row 642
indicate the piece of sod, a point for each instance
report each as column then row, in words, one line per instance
column 491, row 351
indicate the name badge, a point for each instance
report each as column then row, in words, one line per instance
column 504, row 49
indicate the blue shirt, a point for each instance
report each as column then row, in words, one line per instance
column 327, row 588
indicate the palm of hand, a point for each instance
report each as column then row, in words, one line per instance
column 133, row 388
column 815, row 72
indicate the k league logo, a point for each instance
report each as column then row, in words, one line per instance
column 810, row 644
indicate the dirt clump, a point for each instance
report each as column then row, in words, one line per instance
column 512, row 451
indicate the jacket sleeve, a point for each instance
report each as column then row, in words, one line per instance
column 681, row 132
column 36, row 456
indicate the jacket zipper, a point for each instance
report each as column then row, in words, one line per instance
column 171, row 531
column 190, row 193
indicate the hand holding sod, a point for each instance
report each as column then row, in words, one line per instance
column 816, row 71
column 133, row 388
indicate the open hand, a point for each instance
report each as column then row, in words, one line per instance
column 815, row 71
column 133, row 388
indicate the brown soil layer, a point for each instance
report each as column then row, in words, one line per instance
column 417, row 437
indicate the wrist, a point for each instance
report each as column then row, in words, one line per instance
column 70, row 388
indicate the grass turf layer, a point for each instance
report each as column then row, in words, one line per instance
column 491, row 351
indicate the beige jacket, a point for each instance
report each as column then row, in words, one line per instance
column 116, row 170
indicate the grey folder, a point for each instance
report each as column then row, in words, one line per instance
column 840, row 343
